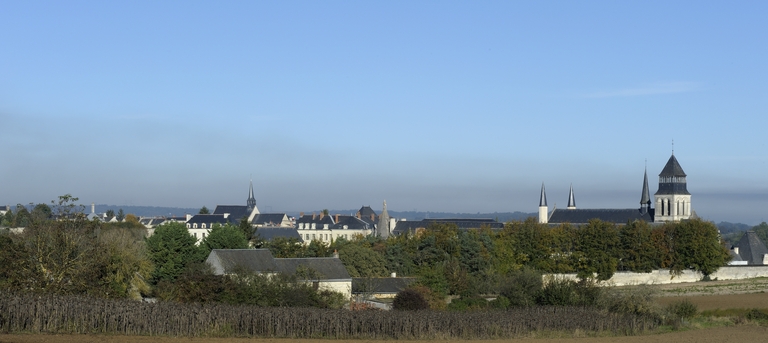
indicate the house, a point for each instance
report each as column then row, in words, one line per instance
column 673, row 203
column 380, row 287
column 750, row 250
column 411, row 227
column 325, row 273
column 270, row 232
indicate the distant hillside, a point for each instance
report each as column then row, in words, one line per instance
column 728, row 227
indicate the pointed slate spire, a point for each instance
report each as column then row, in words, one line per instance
column 251, row 200
column 571, row 200
column 645, row 198
column 543, row 198
column 383, row 226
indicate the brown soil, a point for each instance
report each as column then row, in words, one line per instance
column 740, row 334
column 722, row 301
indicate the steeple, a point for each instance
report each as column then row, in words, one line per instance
column 645, row 198
column 571, row 200
column 673, row 202
column 383, row 227
column 251, row 200
column 543, row 210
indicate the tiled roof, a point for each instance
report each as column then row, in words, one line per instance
column 270, row 233
column 236, row 212
column 269, row 218
column 352, row 223
column 462, row 223
column 209, row 219
column 226, row 261
column 381, row 285
column 307, row 218
column 618, row 216
column 751, row 248
column 327, row 268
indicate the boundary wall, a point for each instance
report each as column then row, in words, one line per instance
column 662, row 276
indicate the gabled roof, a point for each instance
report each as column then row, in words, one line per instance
column 226, row 261
column 617, row 216
column 209, row 219
column 645, row 198
column 326, row 268
column 672, row 168
column 270, row 233
column 381, row 285
column 751, row 248
column 269, row 218
column 236, row 212
column 319, row 220
column 366, row 211
column 352, row 223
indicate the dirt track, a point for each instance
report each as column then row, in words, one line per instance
column 740, row 334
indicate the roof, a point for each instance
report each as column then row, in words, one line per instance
column 571, row 198
column 209, row 219
column 645, row 198
column 270, row 233
column 269, row 218
column 618, row 216
column 751, row 248
column 672, row 168
column 236, row 212
column 326, row 268
column 462, row 224
column 352, row 223
column 381, row 285
column 318, row 219
column 543, row 197
column 366, row 212
column 225, row 261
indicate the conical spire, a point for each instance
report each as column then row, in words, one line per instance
column 251, row 199
column 383, row 227
column 645, row 199
column 543, row 198
column 571, row 200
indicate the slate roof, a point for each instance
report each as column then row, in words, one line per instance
column 270, row 233
column 209, row 219
column 269, row 218
column 352, row 223
column 462, row 223
column 672, row 168
column 319, row 222
column 751, row 248
column 236, row 212
column 582, row 216
column 225, row 261
column 328, row 268
column 381, row 285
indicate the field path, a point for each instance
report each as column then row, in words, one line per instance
column 737, row 334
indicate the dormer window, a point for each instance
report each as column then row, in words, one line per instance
column 194, row 226
column 203, row 226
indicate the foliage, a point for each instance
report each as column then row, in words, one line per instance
column 41, row 212
column 523, row 287
column 683, row 309
column 204, row 210
column 171, row 248
column 697, row 246
column 566, row 292
column 409, row 300
column 223, row 237
column 120, row 215
column 129, row 268
column 22, row 217
column 361, row 261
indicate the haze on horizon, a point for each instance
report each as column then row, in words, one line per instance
column 431, row 106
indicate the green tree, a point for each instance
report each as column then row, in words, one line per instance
column 128, row 268
column 637, row 251
column 204, row 210
column 22, row 217
column 697, row 246
column 596, row 244
column 223, row 237
column 283, row 247
column 361, row 261
column 171, row 248
column 110, row 214
column 120, row 215
column 8, row 218
column 41, row 212
column 246, row 228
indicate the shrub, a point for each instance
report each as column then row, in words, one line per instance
column 683, row 309
column 565, row 292
column 409, row 300
column 638, row 301
column 468, row 303
column 755, row 314
column 523, row 288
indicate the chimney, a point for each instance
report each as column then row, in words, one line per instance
column 322, row 214
column 226, row 215
column 373, row 217
column 336, row 219
column 189, row 216
column 301, row 214
column 357, row 215
column 313, row 215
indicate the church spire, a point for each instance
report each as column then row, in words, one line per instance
column 571, row 200
column 543, row 210
column 645, row 198
column 543, row 198
column 251, row 200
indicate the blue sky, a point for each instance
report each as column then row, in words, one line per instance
column 431, row 105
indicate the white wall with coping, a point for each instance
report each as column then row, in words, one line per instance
column 663, row 276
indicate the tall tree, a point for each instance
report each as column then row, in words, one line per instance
column 41, row 212
column 120, row 215
column 697, row 246
column 204, row 210
column 171, row 248
column 223, row 237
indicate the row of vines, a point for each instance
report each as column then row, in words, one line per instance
column 75, row 314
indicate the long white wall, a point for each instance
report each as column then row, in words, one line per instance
column 662, row 276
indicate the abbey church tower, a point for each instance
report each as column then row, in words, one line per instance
column 673, row 202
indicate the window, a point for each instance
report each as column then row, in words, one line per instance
column 203, row 226
column 194, row 226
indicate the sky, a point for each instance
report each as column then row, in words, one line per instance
column 445, row 106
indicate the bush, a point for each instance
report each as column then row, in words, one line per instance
column 683, row 309
column 409, row 300
column 755, row 314
column 523, row 288
column 565, row 292
column 638, row 301
column 468, row 303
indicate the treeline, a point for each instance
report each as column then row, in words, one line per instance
column 74, row 314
